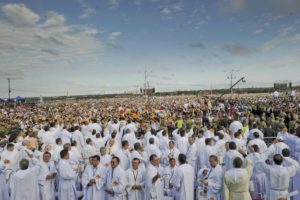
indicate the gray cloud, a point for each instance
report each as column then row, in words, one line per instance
column 198, row 45
column 52, row 52
column 285, row 7
column 237, row 49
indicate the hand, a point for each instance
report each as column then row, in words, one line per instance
column 116, row 182
column 205, row 182
column 49, row 177
column 110, row 191
column 98, row 176
column 92, row 181
column 6, row 161
column 106, row 164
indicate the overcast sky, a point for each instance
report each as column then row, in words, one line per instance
column 104, row 46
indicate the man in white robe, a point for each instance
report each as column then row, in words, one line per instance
column 124, row 155
column 183, row 180
column 24, row 183
column 105, row 159
column 130, row 137
column 93, row 180
column 278, row 176
column 192, row 154
column 3, row 185
column 203, row 156
column 171, row 152
column 88, row 150
column 182, row 142
column 78, row 137
column 10, row 157
column 259, row 142
column 95, row 126
column 154, row 184
column 168, row 176
column 135, row 181
column 258, row 182
column 139, row 153
column 151, row 148
column 230, row 155
column 46, row 178
column 67, row 178
column 116, row 181
column 235, row 125
column 214, row 179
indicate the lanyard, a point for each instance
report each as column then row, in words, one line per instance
column 94, row 171
column 135, row 175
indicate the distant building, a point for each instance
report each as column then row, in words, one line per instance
column 147, row 91
column 282, row 86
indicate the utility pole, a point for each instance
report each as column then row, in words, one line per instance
column 145, row 86
column 231, row 77
column 9, row 90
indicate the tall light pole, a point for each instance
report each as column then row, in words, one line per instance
column 231, row 77
column 9, row 90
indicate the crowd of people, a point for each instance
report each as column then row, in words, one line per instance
column 152, row 148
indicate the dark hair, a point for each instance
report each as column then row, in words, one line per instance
column 97, row 157
column 182, row 158
column 136, row 159
column 286, row 152
column 152, row 157
column 24, row 164
column 137, row 146
column 89, row 140
column 208, row 140
column 221, row 136
column 57, row 140
column 232, row 145
column 47, row 153
column 237, row 162
column 151, row 140
column 63, row 153
column 124, row 143
column 214, row 157
column 255, row 147
column 256, row 135
column 117, row 158
column 10, row 145
column 181, row 132
column 278, row 159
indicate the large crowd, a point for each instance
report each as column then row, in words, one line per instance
column 152, row 148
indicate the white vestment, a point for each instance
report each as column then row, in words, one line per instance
column 215, row 181
column 3, row 184
column 154, row 191
column 183, row 182
column 135, row 177
column 191, row 156
column 230, row 155
column 24, row 184
column 278, row 177
column 116, row 180
column 95, row 191
column 124, row 156
column 182, row 144
column 47, row 190
column 67, row 179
